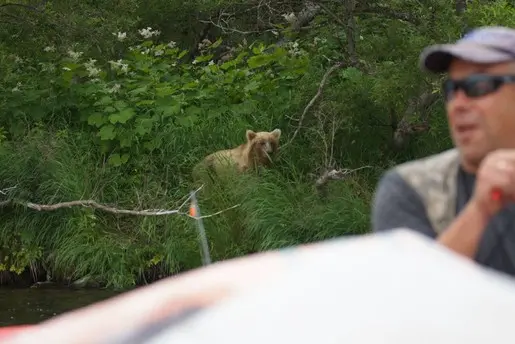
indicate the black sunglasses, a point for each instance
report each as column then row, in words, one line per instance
column 477, row 85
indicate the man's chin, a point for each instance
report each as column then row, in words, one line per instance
column 471, row 157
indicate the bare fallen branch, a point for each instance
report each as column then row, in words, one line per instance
column 109, row 209
column 6, row 190
column 334, row 174
column 227, row 29
column 314, row 99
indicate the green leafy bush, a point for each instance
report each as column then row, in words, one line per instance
column 152, row 89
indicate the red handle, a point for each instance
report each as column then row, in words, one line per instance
column 496, row 195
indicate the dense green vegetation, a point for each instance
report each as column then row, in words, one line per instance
column 116, row 101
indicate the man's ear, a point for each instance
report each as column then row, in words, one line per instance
column 276, row 133
column 251, row 135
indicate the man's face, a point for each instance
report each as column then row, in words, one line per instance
column 482, row 124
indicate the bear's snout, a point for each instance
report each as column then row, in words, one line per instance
column 267, row 147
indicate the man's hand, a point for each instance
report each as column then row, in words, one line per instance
column 495, row 174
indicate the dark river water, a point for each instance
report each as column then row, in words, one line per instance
column 30, row 306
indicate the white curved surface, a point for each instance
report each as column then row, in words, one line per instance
column 391, row 288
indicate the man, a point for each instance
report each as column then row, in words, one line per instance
column 449, row 196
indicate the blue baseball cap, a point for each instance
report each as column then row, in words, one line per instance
column 488, row 44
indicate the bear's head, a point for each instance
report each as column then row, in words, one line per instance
column 263, row 144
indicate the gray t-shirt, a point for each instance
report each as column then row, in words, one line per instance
column 396, row 204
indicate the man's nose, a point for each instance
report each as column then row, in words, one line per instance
column 458, row 101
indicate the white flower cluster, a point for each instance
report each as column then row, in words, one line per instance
column 75, row 55
column 160, row 51
column 47, row 67
column 16, row 58
column 294, row 49
column 17, row 88
column 156, row 51
column 93, row 70
column 148, row 32
column 90, row 67
column 124, row 67
column 121, row 36
column 114, row 89
column 317, row 40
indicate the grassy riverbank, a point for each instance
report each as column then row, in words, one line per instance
column 277, row 209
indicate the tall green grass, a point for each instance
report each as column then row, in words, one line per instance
column 277, row 208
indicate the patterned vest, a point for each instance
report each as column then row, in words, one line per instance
column 434, row 178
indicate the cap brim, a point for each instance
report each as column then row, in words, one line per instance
column 437, row 58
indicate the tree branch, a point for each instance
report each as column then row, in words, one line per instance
column 314, row 99
column 331, row 14
column 227, row 29
column 390, row 13
column 416, row 106
column 335, row 174
column 109, row 209
column 306, row 15
column 350, row 30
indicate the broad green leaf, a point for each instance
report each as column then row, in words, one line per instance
column 107, row 132
column 227, row 65
column 169, row 110
column 165, row 91
column 145, row 102
column 193, row 110
column 187, row 121
column 152, row 144
column 97, row 119
column 117, row 160
column 351, row 73
column 258, row 49
column 125, row 140
column 216, row 44
column 123, row 116
column 204, row 58
column 120, row 104
column 144, row 126
column 258, row 61
column 147, row 44
column 138, row 90
column 190, row 86
column 252, row 86
column 105, row 100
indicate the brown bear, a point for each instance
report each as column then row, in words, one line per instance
column 256, row 152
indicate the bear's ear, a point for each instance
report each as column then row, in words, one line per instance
column 276, row 133
column 251, row 135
